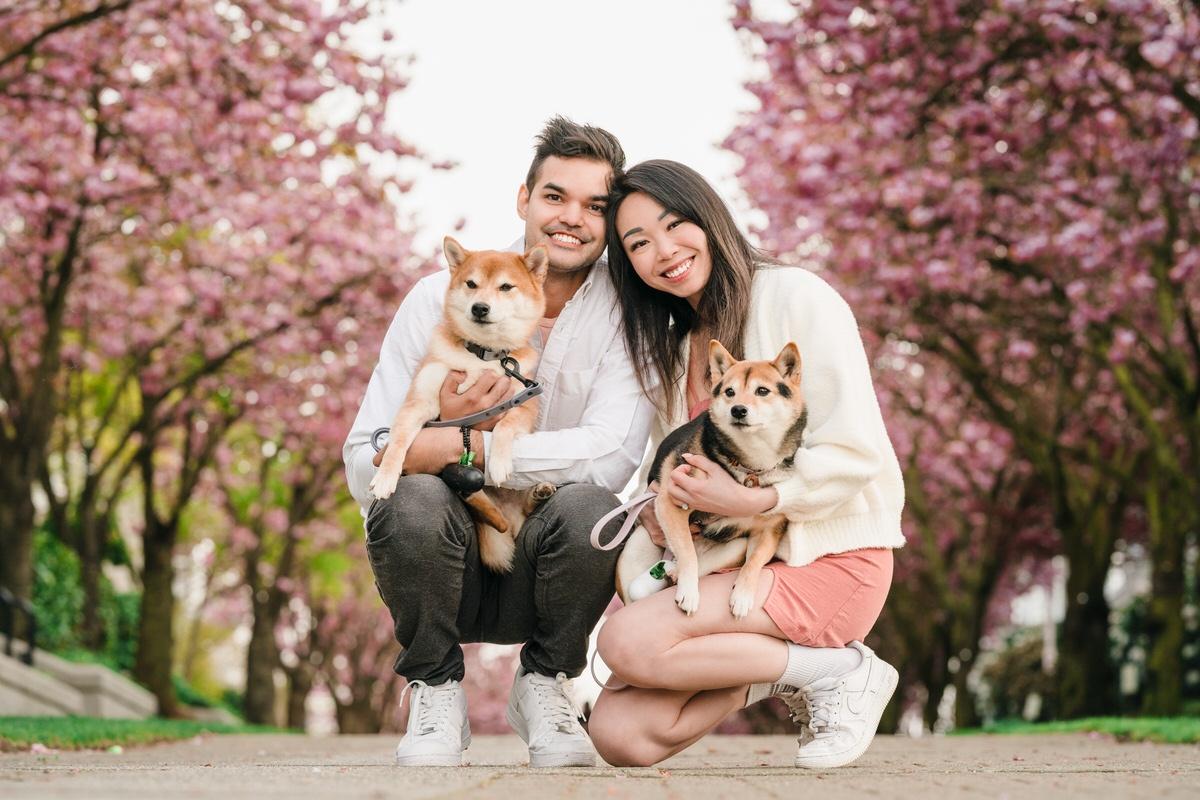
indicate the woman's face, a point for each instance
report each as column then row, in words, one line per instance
column 668, row 252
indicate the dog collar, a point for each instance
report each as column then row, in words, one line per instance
column 752, row 478
column 484, row 353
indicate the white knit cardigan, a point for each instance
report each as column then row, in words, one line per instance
column 847, row 492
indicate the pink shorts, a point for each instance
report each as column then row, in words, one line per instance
column 832, row 601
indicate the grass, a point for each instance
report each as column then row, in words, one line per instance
column 86, row 733
column 1170, row 730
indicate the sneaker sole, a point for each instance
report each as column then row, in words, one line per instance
column 834, row 760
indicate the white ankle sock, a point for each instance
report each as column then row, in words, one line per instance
column 805, row 665
column 808, row 664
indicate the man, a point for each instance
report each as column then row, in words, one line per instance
column 592, row 429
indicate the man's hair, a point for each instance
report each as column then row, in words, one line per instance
column 566, row 139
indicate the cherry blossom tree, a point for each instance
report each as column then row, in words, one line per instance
column 1012, row 188
column 282, row 486
column 977, row 528
column 179, row 205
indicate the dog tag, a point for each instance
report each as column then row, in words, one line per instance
column 751, row 481
column 463, row 479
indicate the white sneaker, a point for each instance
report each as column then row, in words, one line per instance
column 542, row 714
column 438, row 730
column 792, row 697
column 844, row 711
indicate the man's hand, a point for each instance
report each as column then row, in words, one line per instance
column 434, row 449
column 491, row 389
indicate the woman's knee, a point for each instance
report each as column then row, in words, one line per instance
column 615, row 741
column 629, row 649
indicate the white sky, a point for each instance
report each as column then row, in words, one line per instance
column 665, row 76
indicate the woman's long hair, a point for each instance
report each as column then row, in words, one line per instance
column 654, row 344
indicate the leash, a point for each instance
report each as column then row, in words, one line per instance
column 464, row 477
column 633, row 507
column 510, row 367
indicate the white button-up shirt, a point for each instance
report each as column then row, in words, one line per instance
column 593, row 419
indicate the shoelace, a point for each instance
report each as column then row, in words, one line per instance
column 797, row 706
column 432, row 704
column 824, row 707
column 555, row 704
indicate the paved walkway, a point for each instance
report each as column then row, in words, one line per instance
column 292, row 767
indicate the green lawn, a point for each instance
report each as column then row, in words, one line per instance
column 1172, row 730
column 80, row 733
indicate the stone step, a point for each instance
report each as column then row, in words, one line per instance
column 29, row 692
column 56, row 687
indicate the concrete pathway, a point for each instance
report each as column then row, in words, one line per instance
column 294, row 767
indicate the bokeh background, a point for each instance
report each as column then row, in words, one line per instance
column 209, row 212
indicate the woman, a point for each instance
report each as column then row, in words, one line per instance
column 686, row 275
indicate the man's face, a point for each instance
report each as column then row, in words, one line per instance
column 565, row 211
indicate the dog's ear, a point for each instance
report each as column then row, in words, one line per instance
column 788, row 361
column 538, row 262
column 456, row 254
column 719, row 360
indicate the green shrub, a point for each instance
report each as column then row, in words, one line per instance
column 58, row 603
column 57, row 593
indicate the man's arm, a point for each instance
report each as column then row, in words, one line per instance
column 404, row 346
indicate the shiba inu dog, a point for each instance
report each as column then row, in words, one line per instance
column 752, row 429
column 492, row 306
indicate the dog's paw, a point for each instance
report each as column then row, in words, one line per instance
column 741, row 602
column 384, row 483
column 671, row 571
column 501, row 470
column 687, row 597
column 543, row 492
column 500, row 460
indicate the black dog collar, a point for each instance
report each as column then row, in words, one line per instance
column 479, row 351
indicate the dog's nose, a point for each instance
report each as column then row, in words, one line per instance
column 739, row 412
column 480, row 310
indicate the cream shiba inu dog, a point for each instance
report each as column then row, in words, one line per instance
column 752, row 430
column 492, row 306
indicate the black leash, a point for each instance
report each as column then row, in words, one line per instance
column 464, row 477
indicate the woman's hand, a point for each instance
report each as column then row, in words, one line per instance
column 702, row 485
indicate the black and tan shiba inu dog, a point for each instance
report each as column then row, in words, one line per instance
column 493, row 305
column 752, row 429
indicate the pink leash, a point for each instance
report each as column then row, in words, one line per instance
column 634, row 507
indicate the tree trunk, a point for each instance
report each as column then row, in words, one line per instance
column 300, row 681
column 358, row 716
column 262, row 657
column 1085, row 673
column 965, row 713
column 152, row 667
column 16, row 526
column 935, row 680
column 91, row 554
column 1165, row 627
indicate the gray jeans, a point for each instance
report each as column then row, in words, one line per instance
column 422, row 546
